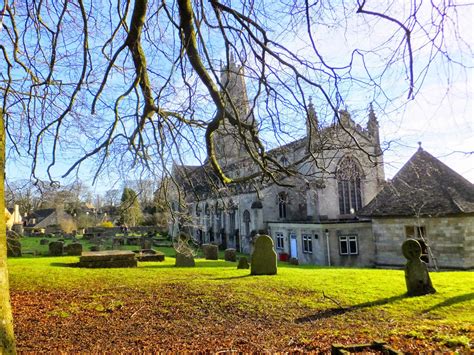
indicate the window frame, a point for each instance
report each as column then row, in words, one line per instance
column 279, row 241
column 282, row 205
column 347, row 239
column 307, row 240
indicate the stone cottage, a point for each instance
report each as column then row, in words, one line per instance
column 427, row 201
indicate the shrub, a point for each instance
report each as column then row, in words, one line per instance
column 107, row 224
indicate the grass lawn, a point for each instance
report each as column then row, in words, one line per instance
column 215, row 307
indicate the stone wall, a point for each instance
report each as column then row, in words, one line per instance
column 451, row 240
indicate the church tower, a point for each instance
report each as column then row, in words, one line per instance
column 229, row 145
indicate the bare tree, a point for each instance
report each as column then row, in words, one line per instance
column 139, row 85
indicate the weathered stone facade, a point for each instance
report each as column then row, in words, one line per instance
column 451, row 240
column 325, row 237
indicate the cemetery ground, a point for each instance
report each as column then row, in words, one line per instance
column 216, row 307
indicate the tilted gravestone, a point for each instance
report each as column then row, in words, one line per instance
column 264, row 257
column 417, row 277
column 210, row 251
column 56, row 248
column 73, row 249
column 230, row 255
column 243, row 263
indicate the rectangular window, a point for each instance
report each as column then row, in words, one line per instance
column 307, row 243
column 280, row 241
column 348, row 245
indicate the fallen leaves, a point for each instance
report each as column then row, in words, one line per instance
column 172, row 318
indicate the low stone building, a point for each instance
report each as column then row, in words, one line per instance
column 427, row 201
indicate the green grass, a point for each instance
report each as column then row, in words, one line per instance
column 340, row 300
column 363, row 289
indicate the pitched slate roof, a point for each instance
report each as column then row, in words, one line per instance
column 423, row 187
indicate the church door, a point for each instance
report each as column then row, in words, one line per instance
column 293, row 246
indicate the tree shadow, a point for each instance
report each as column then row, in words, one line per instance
column 64, row 264
column 450, row 301
column 233, row 277
column 331, row 312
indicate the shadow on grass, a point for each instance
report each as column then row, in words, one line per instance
column 64, row 264
column 233, row 277
column 331, row 312
column 450, row 301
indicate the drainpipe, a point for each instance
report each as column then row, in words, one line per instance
column 327, row 244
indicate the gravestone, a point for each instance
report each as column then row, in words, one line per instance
column 417, row 277
column 13, row 247
column 146, row 243
column 230, row 255
column 56, row 248
column 44, row 241
column 243, row 263
column 264, row 257
column 184, row 260
column 108, row 259
column 73, row 249
column 210, row 251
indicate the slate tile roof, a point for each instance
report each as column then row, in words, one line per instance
column 423, row 187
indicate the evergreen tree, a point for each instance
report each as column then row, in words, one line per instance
column 130, row 210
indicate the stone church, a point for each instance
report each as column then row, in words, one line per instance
column 311, row 214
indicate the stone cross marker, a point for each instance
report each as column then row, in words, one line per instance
column 416, row 272
column 264, row 258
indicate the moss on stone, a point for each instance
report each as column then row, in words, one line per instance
column 264, row 257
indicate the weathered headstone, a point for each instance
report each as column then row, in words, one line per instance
column 210, row 251
column 264, row 257
column 73, row 249
column 417, row 277
column 243, row 263
column 230, row 255
column 13, row 247
column 146, row 243
column 56, row 248
column 184, row 260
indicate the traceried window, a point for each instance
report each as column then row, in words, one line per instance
column 280, row 241
column 349, row 186
column 307, row 243
column 348, row 245
column 282, row 204
column 198, row 210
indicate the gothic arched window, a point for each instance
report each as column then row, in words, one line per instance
column 282, row 202
column 349, row 186
column 246, row 218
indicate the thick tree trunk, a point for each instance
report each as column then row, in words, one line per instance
column 7, row 340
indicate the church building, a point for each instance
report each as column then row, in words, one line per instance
column 311, row 214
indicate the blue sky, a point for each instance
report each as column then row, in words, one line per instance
column 441, row 115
